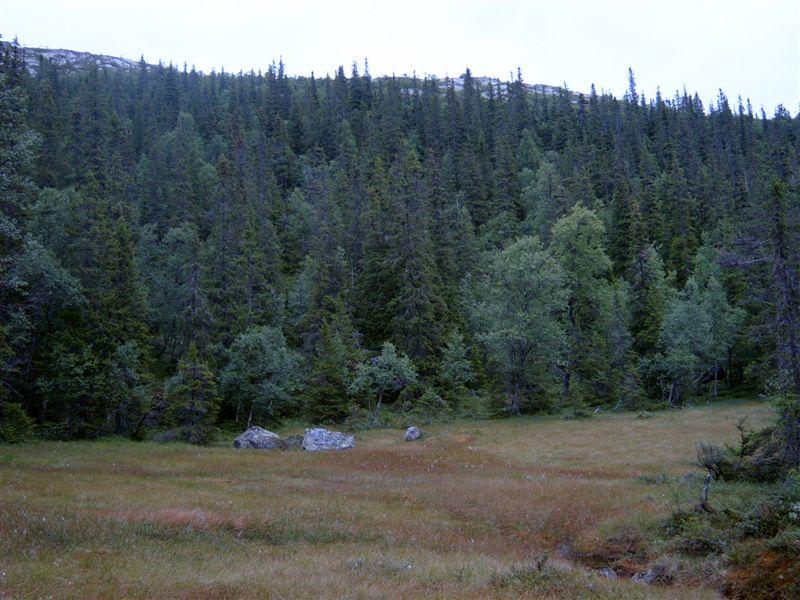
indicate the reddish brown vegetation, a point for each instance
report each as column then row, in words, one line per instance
column 770, row 575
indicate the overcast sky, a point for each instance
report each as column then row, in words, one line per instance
column 750, row 49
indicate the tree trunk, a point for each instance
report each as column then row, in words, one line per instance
column 374, row 416
column 791, row 428
column 674, row 393
column 715, row 385
column 515, row 406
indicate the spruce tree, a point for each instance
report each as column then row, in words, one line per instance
column 327, row 398
column 191, row 397
column 650, row 293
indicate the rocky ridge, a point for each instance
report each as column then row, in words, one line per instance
column 74, row 60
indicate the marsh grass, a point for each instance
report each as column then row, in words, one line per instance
column 463, row 513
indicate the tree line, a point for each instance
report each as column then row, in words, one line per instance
column 186, row 250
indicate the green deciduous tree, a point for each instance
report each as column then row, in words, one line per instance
column 699, row 328
column 261, row 376
column 517, row 308
column 387, row 373
column 686, row 338
column 578, row 246
column 726, row 320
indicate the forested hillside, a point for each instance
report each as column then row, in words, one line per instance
column 181, row 250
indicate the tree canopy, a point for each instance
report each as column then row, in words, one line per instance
column 255, row 246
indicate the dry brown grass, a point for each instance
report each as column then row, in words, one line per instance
column 466, row 512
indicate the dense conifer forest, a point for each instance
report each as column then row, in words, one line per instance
column 181, row 251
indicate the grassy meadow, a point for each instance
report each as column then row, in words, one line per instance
column 528, row 507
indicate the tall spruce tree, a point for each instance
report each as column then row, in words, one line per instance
column 191, row 397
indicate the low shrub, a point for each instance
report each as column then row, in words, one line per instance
column 758, row 457
column 15, row 424
column 429, row 407
column 787, row 543
column 757, row 538
column 475, row 405
column 199, row 435
column 577, row 412
column 695, row 534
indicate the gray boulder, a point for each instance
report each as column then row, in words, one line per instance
column 259, row 438
column 413, row 433
column 655, row 574
column 607, row 573
column 322, row 439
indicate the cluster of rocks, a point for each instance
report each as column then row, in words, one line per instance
column 314, row 440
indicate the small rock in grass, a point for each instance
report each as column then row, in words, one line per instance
column 607, row 573
column 654, row 574
column 413, row 433
column 564, row 550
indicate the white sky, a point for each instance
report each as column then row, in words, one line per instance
column 750, row 48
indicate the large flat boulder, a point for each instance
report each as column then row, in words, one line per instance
column 258, row 438
column 321, row 439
